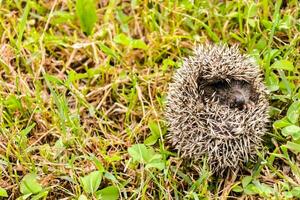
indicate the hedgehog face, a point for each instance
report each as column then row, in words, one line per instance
column 217, row 107
column 233, row 93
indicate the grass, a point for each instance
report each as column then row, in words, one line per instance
column 82, row 114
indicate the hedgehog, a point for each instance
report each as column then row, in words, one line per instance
column 217, row 108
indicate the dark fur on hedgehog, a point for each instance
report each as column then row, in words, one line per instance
column 234, row 93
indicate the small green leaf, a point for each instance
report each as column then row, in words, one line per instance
column 264, row 189
column 3, row 192
column 111, row 177
column 251, row 22
column 186, row 4
column 108, row 193
column 293, row 112
column 281, row 123
column 86, row 12
column 167, row 63
column 273, row 111
column 91, row 182
column 237, row 189
column 261, row 43
column 108, row 51
column 292, row 130
column 155, row 157
column 151, row 140
column 127, row 41
column 285, row 85
column 29, row 184
column 74, row 76
column 53, row 79
column 27, row 130
column 97, row 163
column 13, row 103
column 246, row 180
column 252, row 10
column 154, row 128
column 158, row 164
column 122, row 39
column 23, row 197
column 293, row 146
column 140, row 153
column 285, row 186
column 283, row 64
column 296, row 192
column 286, row 22
column 40, row 195
column 251, row 189
column 22, row 140
column 288, row 195
column 267, row 24
column 155, row 133
column 272, row 82
column 138, row 44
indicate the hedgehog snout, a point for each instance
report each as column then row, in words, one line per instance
column 238, row 100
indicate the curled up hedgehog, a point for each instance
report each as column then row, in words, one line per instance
column 217, row 108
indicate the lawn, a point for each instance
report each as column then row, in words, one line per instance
column 83, row 91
